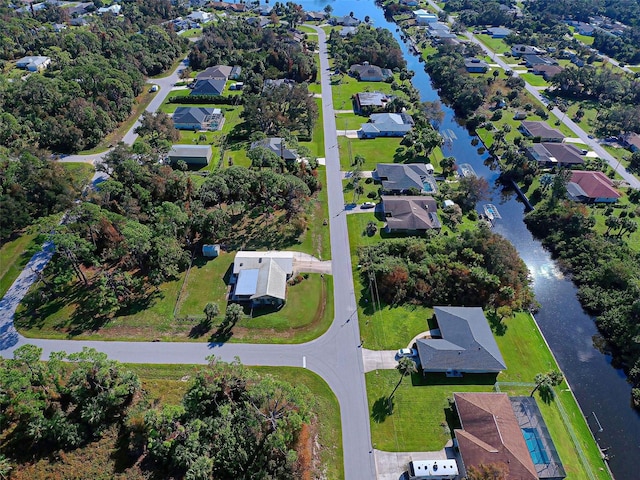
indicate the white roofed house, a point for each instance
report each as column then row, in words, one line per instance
column 34, row 63
column 260, row 278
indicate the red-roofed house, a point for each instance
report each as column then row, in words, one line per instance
column 591, row 187
column 491, row 434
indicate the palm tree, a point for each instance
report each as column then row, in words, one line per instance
column 544, row 381
column 406, row 366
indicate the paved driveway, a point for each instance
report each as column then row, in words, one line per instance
column 379, row 359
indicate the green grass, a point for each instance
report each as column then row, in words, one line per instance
column 307, row 30
column 377, row 150
column 535, row 80
column 316, row 145
column 168, row 383
column 192, row 32
column 587, row 40
column 316, row 240
column 422, row 420
column 345, row 86
column 14, row 255
column 306, row 315
column 349, row 121
column 498, row 45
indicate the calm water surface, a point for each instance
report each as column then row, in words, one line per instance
column 599, row 388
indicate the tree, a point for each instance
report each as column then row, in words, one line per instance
column 211, row 310
column 158, row 129
column 5, row 467
column 448, row 165
column 328, row 9
column 406, row 366
column 470, row 191
column 559, row 185
column 233, row 314
column 488, row 471
column 545, row 381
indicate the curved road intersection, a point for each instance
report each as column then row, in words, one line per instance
column 335, row 356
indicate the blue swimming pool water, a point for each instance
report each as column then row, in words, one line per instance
column 535, row 446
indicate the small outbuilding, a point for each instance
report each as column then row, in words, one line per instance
column 211, row 251
column 198, row 155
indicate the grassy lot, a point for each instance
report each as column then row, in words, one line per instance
column 421, row 404
column 587, row 40
column 316, row 240
column 377, row 150
column 14, row 255
column 344, row 87
column 349, row 121
column 307, row 30
column 316, row 145
column 498, row 45
column 307, row 313
column 142, row 101
column 535, row 80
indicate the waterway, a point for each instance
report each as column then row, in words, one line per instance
column 602, row 390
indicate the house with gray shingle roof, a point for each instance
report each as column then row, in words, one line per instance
column 277, row 146
column 410, row 214
column 370, row 73
column 386, row 125
column 216, row 72
column 537, row 129
column 34, row 63
column 210, row 86
column 198, row 118
column 466, row 345
column 400, row 178
column 370, row 101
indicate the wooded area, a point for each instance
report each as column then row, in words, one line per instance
column 90, row 87
column 606, row 272
column 476, row 267
column 231, row 423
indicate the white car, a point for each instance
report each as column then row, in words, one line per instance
column 368, row 205
column 406, row 352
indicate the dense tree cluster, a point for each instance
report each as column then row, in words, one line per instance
column 478, row 12
column 476, row 267
column 605, row 270
column 146, row 220
column 89, row 88
column 262, row 52
column 54, row 405
column 374, row 45
column 231, row 424
column 281, row 107
column 32, row 187
column 623, row 47
column 464, row 92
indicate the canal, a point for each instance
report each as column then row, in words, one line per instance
column 601, row 389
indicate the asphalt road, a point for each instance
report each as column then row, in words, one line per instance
column 164, row 84
column 336, row 356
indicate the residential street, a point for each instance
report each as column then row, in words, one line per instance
column 165, row 84
column 336, row 356
column 591, row 142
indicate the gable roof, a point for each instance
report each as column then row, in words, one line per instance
column 209, row 86
column 540, row 129
column 252, row 259
column 402, row 177
column 490, row 434
column 548, row 71
column 198, row 151
column 370, row 71
column 374, row 99
column 472, row 62
column 594, row 184
column 560, row 153
column 467, row 343
column 388, row 122
column 215, row 72
column 410, row 212
column 193, row 114
column 268, row 280
column 276, row 145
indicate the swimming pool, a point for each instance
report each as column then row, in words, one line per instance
column 536, row 448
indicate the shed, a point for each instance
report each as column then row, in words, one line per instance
column 211, row 250
column 448, row 203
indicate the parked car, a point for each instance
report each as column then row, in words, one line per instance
column 406, row 352
column 368, row 205
column 154, row 88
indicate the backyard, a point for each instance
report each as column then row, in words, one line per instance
column 421, row 403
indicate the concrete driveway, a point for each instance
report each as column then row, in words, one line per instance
column 379, row 359
column 393, row 465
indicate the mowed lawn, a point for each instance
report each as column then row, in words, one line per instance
column 344, row 87
column 175, row 311
column 422, row 419
column 375, row 150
